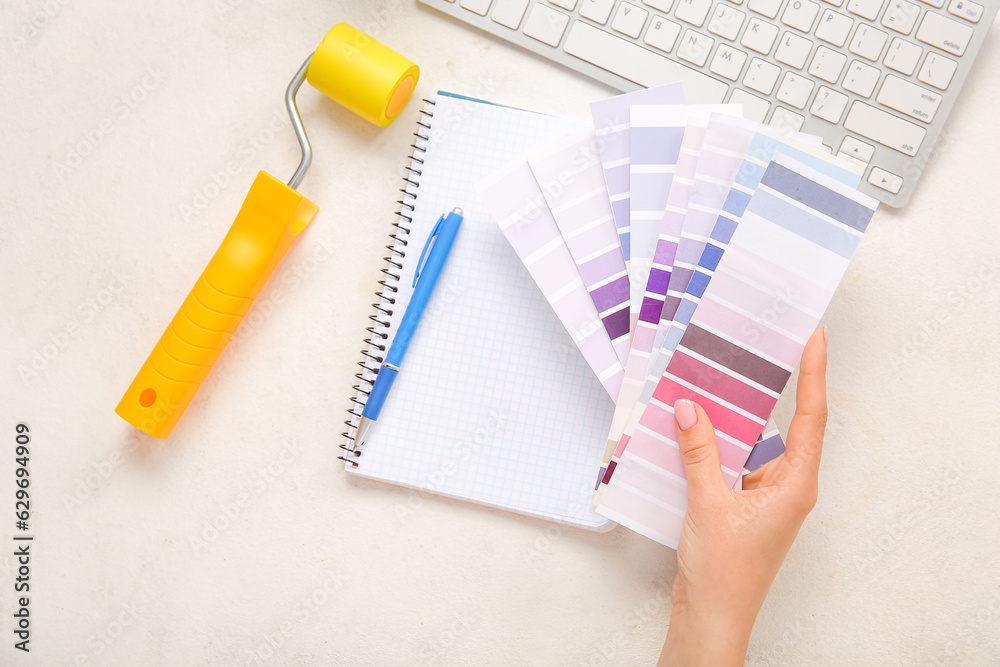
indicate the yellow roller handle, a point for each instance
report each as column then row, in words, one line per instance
column 271, row 218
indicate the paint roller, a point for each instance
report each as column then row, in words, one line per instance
column 361, row 75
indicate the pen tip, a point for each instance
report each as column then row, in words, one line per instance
column 456, row 211
column 359, row 435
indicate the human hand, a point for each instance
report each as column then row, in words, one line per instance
column 733, row 542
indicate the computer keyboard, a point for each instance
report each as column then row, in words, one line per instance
column 875, row 78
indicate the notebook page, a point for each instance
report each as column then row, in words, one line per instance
column 494, row 403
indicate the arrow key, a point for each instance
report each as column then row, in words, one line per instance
column 886, row 180
column 856, row 149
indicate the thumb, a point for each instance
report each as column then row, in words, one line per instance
column 699, row 450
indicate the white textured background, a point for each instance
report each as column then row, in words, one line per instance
column 899, row 563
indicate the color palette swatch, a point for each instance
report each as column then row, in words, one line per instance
column 723, row 148
column 655, row 136
column 762, row 143
column 689, row 253
column 611, row 123
column 676, row 207
column 692, row 119
column 769, row 446
column 571, row 178
column 515, row 201
column 769, row 291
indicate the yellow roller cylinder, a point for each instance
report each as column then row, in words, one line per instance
column 362, row 74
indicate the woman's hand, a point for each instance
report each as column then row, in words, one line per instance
column 733, row 542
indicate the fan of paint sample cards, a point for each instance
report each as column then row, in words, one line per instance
column 689, row 253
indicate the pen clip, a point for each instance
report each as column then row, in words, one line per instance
column 423, row 253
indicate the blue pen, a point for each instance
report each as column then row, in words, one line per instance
column 440, row 241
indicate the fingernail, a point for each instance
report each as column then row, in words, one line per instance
column 826, row 337
column 685, row 414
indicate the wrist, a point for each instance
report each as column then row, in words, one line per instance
column 700, row 637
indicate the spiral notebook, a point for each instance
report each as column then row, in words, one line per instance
column 495, row 404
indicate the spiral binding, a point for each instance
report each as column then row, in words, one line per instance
column 378, row 333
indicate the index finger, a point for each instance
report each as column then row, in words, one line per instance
column 805, row 435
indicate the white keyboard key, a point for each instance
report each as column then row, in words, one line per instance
column 662, row 5
column 736, row 2
column 754, row 108
column 639, row 64
column 934, row 3
column 861, row 78
column 868, row 42
column 909, row 98
column 629, row 19
column 568, row 5
column 795, row 89
column 793, row 50
column 726, row 22
column 768, row 8
column 901, row 16
column 835, row 3
column 945, row 34
column 761, row 76
column 476, row 6
column 857, row 149
column 884, row 128
column 662, row 33
column 834, row 27
column 827, row 64
column 829, row 105
column 866, row 8
column 937, row 70
column 695, row 48
column 728, row 62
column 598, row 11
column 759, row 36
column 545, row 24
column 800, row 14
column 510, row 12
column 693, row 11
column 966, row 9
column 886, row 180
column 786, row 119
column 903, row 56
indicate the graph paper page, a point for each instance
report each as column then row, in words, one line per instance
column 494, row 403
